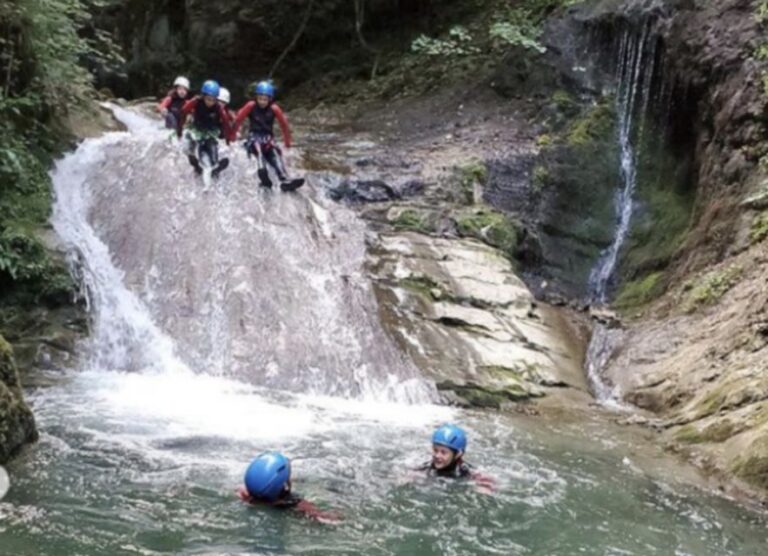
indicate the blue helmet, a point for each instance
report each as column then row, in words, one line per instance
column 264, row 88
column 451, row 436
column 211, row 88
column 267, row 476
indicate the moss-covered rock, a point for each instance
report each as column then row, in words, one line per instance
column 641, row 291
column 759, row 229
column 492, row 227
column 17, row 424
column 709, row 289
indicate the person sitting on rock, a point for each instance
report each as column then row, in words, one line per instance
column 210, row 121
column 449, row 443
column 170, row 107
column 261, row 113
column 268, row 482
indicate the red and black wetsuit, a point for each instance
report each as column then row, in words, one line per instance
column 262, row 133
column 213, row 119
column 174, row 104
column 262, row 120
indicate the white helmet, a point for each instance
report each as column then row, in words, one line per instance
column 182, row 82
column 224, row 95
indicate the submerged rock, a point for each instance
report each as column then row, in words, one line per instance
column 17, row 424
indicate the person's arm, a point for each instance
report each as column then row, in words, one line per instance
column 164, row 105
column 226, row 124
column 284, row 127
column 186, row 110
column 309, row 510
column 485, row 484
column 242, row 114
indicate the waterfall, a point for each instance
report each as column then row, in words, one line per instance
column 635, row 71
column 262, row 287
column 637, row 53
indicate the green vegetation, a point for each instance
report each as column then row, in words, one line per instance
column 716, row 432
column 595, row 125
column 409, row 219
column 711, row 287
column 491, row 227
column 40, row 84
column 470, row 174
column 423, row 285
column 639, row 292
column 541, row 178
column 759, row 229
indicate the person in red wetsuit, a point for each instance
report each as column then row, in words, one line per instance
column 225, row 98
column 261, row 114
column 210, row 121
column 449, row 443
column 170, row 107
column 268, row 482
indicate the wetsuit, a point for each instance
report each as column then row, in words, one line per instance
column 261, row 133
column 457, row 470
column 291, row 501
column 210, row 122
column 173, row 103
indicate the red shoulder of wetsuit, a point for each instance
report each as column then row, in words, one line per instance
column 227, row 129
column 242, row 114
column 283, row 121
column 164, row 104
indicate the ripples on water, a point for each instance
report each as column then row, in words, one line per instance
column 123, row 470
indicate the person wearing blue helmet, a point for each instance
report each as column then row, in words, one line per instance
column 449, row 443
column 268, row 481
column 261, row 113
column 210, row 121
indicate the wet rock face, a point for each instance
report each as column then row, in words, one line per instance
column 456, row 307
column 17, row 425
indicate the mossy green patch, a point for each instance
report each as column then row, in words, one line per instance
column 709, row 289
column 425, row 286
column 641, row 291
column 759, row 230
column 541, row 178
column 714, row 433
column 410, row 219
column 491, row 227
column 593, row 126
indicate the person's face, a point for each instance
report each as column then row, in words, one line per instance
column 209, row 100
column 181, row 91
column 262, row 100
column 442, row 456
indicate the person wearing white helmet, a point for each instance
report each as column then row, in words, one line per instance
column 170, row 107
column 224, row 98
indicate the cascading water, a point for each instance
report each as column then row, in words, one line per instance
column 260, row 291
column 636, row 59
column 637, row 53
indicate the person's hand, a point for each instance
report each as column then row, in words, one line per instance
column 328, row 518
column 164, row 112
column 242, row 493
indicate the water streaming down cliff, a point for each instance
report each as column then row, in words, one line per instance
column 636, row 58
column 263, row 287
column 637, row 51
